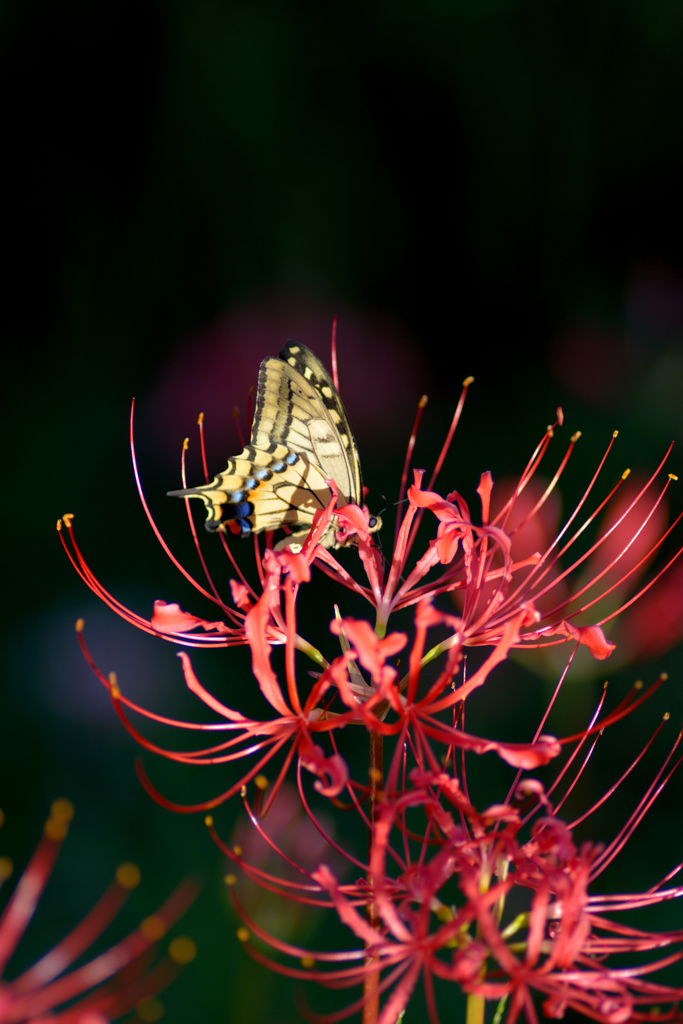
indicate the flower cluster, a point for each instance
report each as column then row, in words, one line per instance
column 109, row 985
column 440, row 874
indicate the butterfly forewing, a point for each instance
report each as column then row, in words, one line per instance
column 342, row 446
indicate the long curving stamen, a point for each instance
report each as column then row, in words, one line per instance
column 406, row 464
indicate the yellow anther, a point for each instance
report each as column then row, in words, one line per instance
column 664, row 676
column 6, row 868
column 230, row 879
column 200, row 419
column 307, row 962
column 615, row 434
column 150, row 1010
column 153, row 927
column 627, row 472
column 243, row 934
column 672, row 476
column 66, row 519
column 182, row 950
column 237, row 850
column 375, row 774
column 128, row 875
column 666, row 716
column 62, row 809
column 208, row 820
column 186, row 443
column 243, row 791
column 423, row 401
column 638, row 685
column 114, row 686
column 575, row 437
column 80, row 625
column 56, row 829
column 444, row 914
column 261, row 782
column 467, row 381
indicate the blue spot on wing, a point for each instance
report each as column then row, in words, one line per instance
column 241, row 509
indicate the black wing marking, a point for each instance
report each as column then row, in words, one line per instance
column 300, row 437
column 305, row 362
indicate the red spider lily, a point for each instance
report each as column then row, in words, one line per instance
column 109, row 985
column 481, row 567
column 169, row 621
column 633, row 526
column 298, row 718
column 477, row 564
column 457, row 864
column 440, row 875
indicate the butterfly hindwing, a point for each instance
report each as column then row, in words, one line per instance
column 300, row 438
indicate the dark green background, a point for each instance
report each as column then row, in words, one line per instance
column 473, row 187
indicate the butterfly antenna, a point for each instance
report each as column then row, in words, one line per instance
column 335, row 374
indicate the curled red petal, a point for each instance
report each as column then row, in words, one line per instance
column 445, row 511
column 296, row 564
column 447, row 543
column 332, row 772
column 529, row 755
column 255, row 626
column 616, row 1010
column 372, row 651
column 591, row 637
column 170, row 618
column 355, row 518
column 240, row 595
column 484, row 491
column 468, row 963
column 196, row 687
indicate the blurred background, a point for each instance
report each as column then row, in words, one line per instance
column 487, row 188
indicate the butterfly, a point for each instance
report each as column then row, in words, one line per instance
column 300, row 438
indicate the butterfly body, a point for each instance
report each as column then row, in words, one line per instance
column 300, row 438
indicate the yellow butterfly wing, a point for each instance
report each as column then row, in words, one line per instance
column 300, row 438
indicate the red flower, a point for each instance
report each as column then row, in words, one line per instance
column 440, row 873
column 440, row 876
column 383, row 702
column 111, row 984
column 485, row 568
